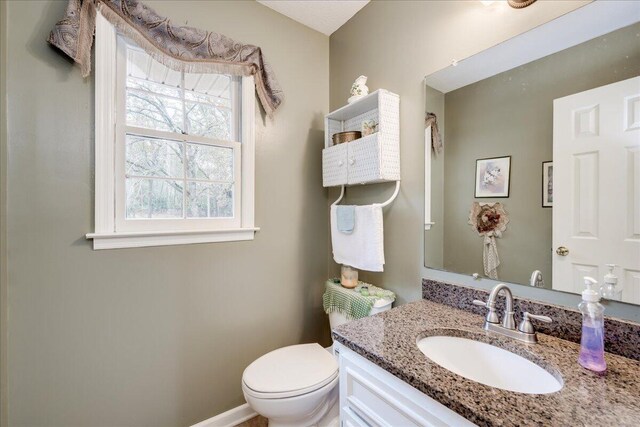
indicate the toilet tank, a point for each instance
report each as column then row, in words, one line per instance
column 336, row 319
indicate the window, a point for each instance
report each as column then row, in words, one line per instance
column 177, row 146
column 174, row 150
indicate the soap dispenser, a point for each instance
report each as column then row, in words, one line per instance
column 592, row 341
column 610, row 290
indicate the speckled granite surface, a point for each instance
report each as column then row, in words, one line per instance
column 587, row 399
column 621, row 337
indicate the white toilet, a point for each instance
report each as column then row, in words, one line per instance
column 298, row 385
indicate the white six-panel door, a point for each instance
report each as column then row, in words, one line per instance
column 596, row 188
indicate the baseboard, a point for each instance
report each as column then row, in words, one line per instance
column 231, row 418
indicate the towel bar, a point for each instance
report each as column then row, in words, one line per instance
column 393, row 196
column 388, row 202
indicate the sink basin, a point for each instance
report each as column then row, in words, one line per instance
column 489, row 365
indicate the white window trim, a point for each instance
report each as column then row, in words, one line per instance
column 105, row 235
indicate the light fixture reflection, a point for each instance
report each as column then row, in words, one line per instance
column 516, row 4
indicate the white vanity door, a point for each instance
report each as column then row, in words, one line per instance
column 596, row 188
column 371, row 396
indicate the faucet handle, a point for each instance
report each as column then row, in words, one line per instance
column 527, row 327
column 492, row 316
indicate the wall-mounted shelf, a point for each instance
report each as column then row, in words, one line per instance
column 372, row 158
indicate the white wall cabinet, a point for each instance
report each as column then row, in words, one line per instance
column 371, row 396
column 372, row 158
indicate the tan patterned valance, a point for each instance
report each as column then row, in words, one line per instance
column 180, row 48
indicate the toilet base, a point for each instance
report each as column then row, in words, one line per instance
column 306, row 410
column 330, row 419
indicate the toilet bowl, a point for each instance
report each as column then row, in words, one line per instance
column 292, row 386
column 298, row 385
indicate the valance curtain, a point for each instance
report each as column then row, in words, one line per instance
column 180, row 48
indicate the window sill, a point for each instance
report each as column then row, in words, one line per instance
column 167, row 238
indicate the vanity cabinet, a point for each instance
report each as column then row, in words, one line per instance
column 371, row 396
column 372, row 158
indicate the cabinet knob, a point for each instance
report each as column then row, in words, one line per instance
column 340, row 163
column 352, row 162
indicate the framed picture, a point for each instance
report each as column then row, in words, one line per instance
column 492, row 177
column 547, row 184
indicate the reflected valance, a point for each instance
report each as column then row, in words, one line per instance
column 180, row 48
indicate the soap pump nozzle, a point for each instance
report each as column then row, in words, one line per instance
column 589, row 294
column 610, row 277
column 609, row 289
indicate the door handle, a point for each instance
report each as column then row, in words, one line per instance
column 562, row 251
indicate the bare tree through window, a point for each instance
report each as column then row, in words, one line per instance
column 168, row 178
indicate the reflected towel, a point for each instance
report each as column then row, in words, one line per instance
column 490, row 257
column 436, row 140
column 346, row 218
column 364, row 247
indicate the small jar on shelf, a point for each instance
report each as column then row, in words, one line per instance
column 348, row 276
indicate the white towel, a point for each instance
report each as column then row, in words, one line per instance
column 490, row 257
column 364, row 247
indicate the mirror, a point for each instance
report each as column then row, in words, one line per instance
column 538, row 182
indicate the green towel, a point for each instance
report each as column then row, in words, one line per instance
column 353, row 303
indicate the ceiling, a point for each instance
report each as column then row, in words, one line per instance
column 325, row 16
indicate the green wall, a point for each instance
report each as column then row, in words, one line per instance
column 3, row 216
column 154, row 336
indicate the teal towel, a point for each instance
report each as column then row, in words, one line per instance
column 346, row 216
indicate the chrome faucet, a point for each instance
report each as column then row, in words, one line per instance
column 536, row 279
column 525, row 332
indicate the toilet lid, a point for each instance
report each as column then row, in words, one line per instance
column 302, row 368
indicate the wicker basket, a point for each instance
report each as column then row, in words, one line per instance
column 348, row 136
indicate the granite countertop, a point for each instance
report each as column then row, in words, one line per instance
column 587, row 399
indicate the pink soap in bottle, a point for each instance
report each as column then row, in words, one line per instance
column 592, row 341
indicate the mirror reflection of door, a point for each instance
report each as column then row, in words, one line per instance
column 596, row 213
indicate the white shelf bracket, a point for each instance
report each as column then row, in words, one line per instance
column 339, row 198
column 393, row 196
